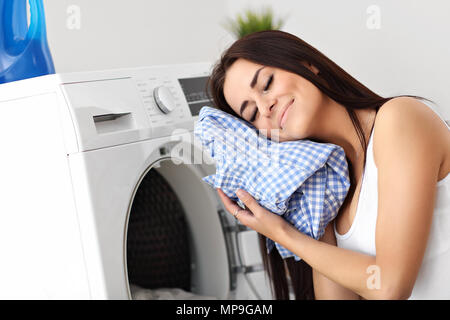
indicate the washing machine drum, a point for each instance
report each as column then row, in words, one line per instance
column 158, row 254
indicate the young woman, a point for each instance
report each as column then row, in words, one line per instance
column 391, row 237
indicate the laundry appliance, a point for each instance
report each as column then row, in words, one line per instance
column 101, row 190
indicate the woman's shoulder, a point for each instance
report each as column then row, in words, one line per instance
column 408, row 118
column 409, row 109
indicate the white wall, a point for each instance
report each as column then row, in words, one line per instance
column 408, row 54
column 132, row 33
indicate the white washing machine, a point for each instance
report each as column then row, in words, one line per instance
column 100, row 190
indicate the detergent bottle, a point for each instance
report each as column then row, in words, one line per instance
column 24, row 51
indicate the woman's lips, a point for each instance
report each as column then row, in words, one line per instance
column 284, row 115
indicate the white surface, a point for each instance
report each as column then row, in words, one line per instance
column 39, row 236
column 250, row 252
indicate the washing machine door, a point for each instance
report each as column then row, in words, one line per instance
column 179, row 235
column 247, row 278
column 174, row 236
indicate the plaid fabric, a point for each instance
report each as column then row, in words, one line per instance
column 303, row 181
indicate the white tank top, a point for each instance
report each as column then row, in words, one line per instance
column 433, row 280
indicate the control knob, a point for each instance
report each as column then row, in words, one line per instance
column 164, row 99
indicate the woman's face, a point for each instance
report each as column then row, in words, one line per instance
column 274, row 99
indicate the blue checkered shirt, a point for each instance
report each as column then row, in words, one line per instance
column 303, row 181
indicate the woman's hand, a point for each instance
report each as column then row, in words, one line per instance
column 255, row 217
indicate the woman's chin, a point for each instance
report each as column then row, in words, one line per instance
column 291, row 135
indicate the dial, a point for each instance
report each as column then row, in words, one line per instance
column 164, row 99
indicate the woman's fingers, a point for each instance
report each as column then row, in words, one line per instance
column 226, row 201
column 232, row 207
column 255, row 217
column 248, row 200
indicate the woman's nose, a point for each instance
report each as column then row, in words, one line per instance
column 266, row 106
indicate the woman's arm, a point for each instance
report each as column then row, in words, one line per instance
column 324, row 288
column 345, row 267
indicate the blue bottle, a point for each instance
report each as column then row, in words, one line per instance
column 24, row 51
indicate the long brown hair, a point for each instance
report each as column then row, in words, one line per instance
column 285, row 51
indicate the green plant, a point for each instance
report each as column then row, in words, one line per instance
column 252, row 21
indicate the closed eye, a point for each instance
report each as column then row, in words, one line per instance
column 254, row 115
column 269, row 82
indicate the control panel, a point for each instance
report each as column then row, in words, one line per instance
column 120, row 106
column 179, row 98
column 163, row 100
